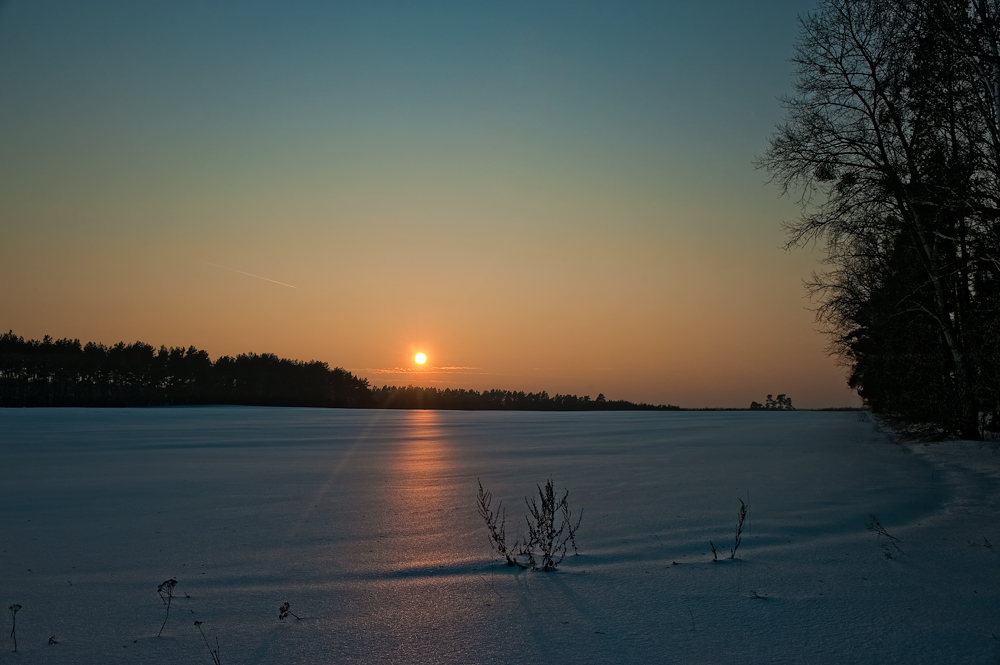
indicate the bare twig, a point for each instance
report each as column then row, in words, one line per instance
column 570, row 527
column 542, row 532
column 492, row 588
column 739, row 529
column 496, row 525
column 215, row 652
column 283, row 612
column 13, row 625
column 876, row 527
column 166, row 593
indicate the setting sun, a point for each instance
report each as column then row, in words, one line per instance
column 420, row 358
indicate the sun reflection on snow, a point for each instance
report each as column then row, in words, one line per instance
column 420, row 490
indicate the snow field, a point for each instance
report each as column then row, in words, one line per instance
column 365, row 522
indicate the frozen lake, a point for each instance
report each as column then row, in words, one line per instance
column 366, row 523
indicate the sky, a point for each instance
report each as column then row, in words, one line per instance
column 553, row 196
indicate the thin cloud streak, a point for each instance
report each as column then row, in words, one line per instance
column 250, row 274
column 448, row 369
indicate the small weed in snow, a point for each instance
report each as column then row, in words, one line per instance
column 545, row 546
column 741, row 519
column 283, row 612
column 166, row 593
column 739, row 529
column 542, row 533
column 876, row 527
column 214, row 653
column 13, row 623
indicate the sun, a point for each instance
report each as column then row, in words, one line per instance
column 420, row 358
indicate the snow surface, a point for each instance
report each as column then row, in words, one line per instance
column 365, row 522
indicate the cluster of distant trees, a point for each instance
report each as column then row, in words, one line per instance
column 779, row 403
column 411, row 397
column 64, row 372
column 892, row 143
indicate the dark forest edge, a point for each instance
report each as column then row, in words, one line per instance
column 891, row 146
column 64, row 372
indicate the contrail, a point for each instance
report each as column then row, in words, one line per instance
column 250, row 274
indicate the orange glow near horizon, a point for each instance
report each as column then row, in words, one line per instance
column 508, row 226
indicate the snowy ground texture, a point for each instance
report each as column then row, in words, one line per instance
column 365, row 522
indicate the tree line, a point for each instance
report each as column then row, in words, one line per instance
column 411, row 397
column 64, row 372
column 891, row 143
